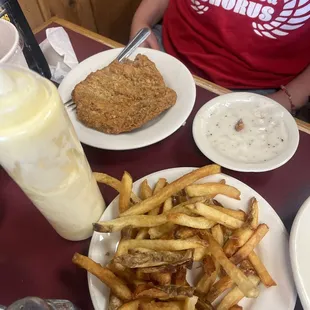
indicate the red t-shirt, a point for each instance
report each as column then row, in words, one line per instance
column 240, row 43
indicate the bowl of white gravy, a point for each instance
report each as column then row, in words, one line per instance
column 246, row 132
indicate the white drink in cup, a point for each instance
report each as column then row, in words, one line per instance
column 41, row 152
column 10, row 49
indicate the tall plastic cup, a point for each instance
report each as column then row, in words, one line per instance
column 40, row 150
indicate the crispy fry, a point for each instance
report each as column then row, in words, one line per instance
column 200, row 254
column 205, row 283
column 159, row 231
column 114, row 183
column 238, row 239
column 213, row 266
column 169, row 305
column 125, row 192
column 134, row 221
column 114, row 302
column 250, row 245
column 235, row 307
column 167, row 205
column 142, row 275
column 179, row 277
column 252, row 219
column 123, row 273
column 189, row 221
column 154, row 258
column 161, row 269
column 132, row 305
column 117, row 286
column 208, row 265
column 238, row 214
column 162, row 291
column 143, row 233
column 247, row 268
column 245, row 285
column 235, row 295
column 212, row 189
column 162, row 278
column 145, row 190
column 213, row 269
column 261, row 270
column 217, row 234
column 160, row 245
column 161, row 183
column 220, row 287
column 202, row 303
column 172, row 188
column 215, row 215
column 190, row 303
column 184, row 232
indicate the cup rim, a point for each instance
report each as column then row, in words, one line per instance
column 9, row 54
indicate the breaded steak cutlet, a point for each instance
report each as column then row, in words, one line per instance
column 122, row 96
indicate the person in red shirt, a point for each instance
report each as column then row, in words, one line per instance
column 238, row 44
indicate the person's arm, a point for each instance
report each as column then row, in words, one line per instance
column 148, row 14
column 298, row 88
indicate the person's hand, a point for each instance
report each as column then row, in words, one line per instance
column 281, row 97
column 150, row 42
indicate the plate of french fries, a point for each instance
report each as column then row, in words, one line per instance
column 188, row 239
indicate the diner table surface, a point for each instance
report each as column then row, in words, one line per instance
column 36, row 261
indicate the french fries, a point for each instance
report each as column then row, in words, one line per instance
column 252, row 219
column 250, row 245
column 179, row 277
column 114, row 303
column 132, row 305
column 220, row 287
column 134, row 221
column 169, row 305
column 114, row 183
column 162, row 278
column 161, row 183
column 168, row 205
column 237, row 240
column 165, row 231
column 117, row 286
column 245, row 285
column 190, row 303
column 189, row 221
column 215, row 215
column 153, row 258
column 211, row 190
column 236, row 307
column 238, row 214
column 160, row 245
column 125, row 192
column 261, row 270
column 184, row 232
column 145, row 190
column 163, row 292
column 172, row 188
column 235, row 295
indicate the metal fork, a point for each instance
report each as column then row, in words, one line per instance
column 139, row 38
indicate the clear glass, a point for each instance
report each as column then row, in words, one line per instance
column 41, row 152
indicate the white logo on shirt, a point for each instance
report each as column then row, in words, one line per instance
column 293, row 16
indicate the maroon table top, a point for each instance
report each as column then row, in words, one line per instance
column 35, row 261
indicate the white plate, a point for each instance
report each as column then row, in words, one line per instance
column 273, row 249
column 300, row 253
column 176, row 76
column 202, row 119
